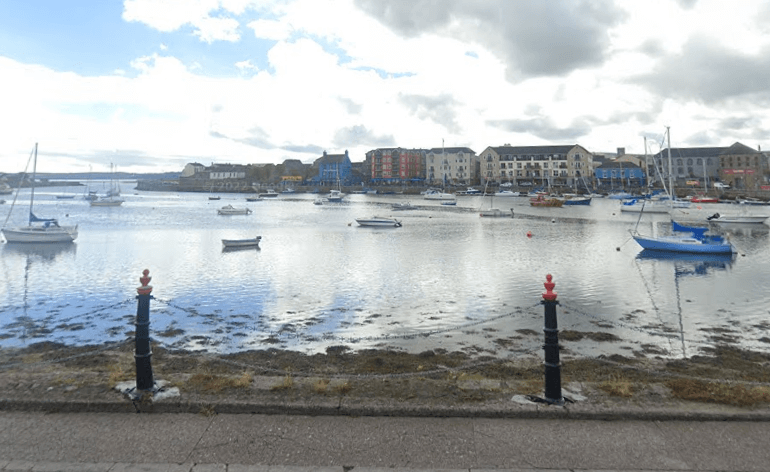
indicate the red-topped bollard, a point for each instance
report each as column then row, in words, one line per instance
column 142, row 353
column 551, row 346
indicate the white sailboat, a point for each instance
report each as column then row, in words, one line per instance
column 46, row 230
column 112, row 197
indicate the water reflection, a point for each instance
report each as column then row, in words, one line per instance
column 47, row 252
column 689, row 264
column 320, row 280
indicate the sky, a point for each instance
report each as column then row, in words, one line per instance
column 151, row 85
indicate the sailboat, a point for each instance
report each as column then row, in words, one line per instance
column 336, row 195
column 47, row 230
column 659, row 205
column 112, row 197
column 493, row 212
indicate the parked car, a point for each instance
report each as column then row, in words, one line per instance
column 721, row 186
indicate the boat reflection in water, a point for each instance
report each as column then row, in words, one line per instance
column 40, row 251
column 689, row 263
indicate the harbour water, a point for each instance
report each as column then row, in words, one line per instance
column 446, row 279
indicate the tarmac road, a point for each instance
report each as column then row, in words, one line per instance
column 250, row 442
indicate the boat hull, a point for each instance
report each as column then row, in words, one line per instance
column 739, row 219
column 379, row 222
column 578, row 201
column 106, row 203
column 683, row 245
column 235, row 243
column 39, row 234
column 495, row 213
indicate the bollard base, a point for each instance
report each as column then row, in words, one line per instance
column 560, row 402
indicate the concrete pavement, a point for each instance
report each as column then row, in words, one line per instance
column 249, row 442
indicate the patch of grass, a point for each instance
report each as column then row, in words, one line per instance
column 286, row 384
column 617, row 388
column 343, row 388
column 718, row 392
column 321, row 386
column 120, row 371
column 210, row 383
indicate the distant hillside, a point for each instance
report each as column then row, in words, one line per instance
column 107, row 175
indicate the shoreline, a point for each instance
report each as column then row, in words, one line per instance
column 726, row 384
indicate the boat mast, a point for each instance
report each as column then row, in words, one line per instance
column 32, row 197
column 670, row 169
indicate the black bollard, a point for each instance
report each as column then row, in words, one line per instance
column 551, row 346
column 142, row 353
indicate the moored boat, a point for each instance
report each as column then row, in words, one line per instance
column 48, row 229
column 379, row 221
column 696, row 241
column 544, row 200
column 269, row 193
column 236, row 243
column 231, row 210
column 752, row 219
column 578, row 201
column 496, row 213
column 404, row 206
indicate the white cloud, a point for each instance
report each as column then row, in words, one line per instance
column 338, row 77
column 271, row 29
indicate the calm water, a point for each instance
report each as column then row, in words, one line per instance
column 454, row 280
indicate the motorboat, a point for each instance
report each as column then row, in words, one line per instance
column 231, row 210
column 449, row 202
column 753, row 219
column 433, row 194
column 495, row 212
column 404, row 206
column 39, row 230
column 704, row 199
column 470, row 191
column 254, row 199
column 507, row 193
column 545, row 200
column 578, row 201
column 335, row 196
column 241, row 243
column 269, row 193
column 379, row 221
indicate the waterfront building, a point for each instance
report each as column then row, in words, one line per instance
column 452, row 165
column 396, row 165
column 616, row 175
column 561, row 165
column 742, row 167
column 333, row 169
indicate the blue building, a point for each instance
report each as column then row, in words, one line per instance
column 613, row 174
column 333, row 168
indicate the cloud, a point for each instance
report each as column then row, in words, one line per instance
column 257, row 137
column 359, row 136
column 271, row 29
column 217, row 29
column 350, row 106
column 303, row 148
column 709, row 73
column 438, row 109
column 546, row 129
column 167, row 16
column 533, row 38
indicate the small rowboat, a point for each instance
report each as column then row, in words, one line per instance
column 234, row 243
